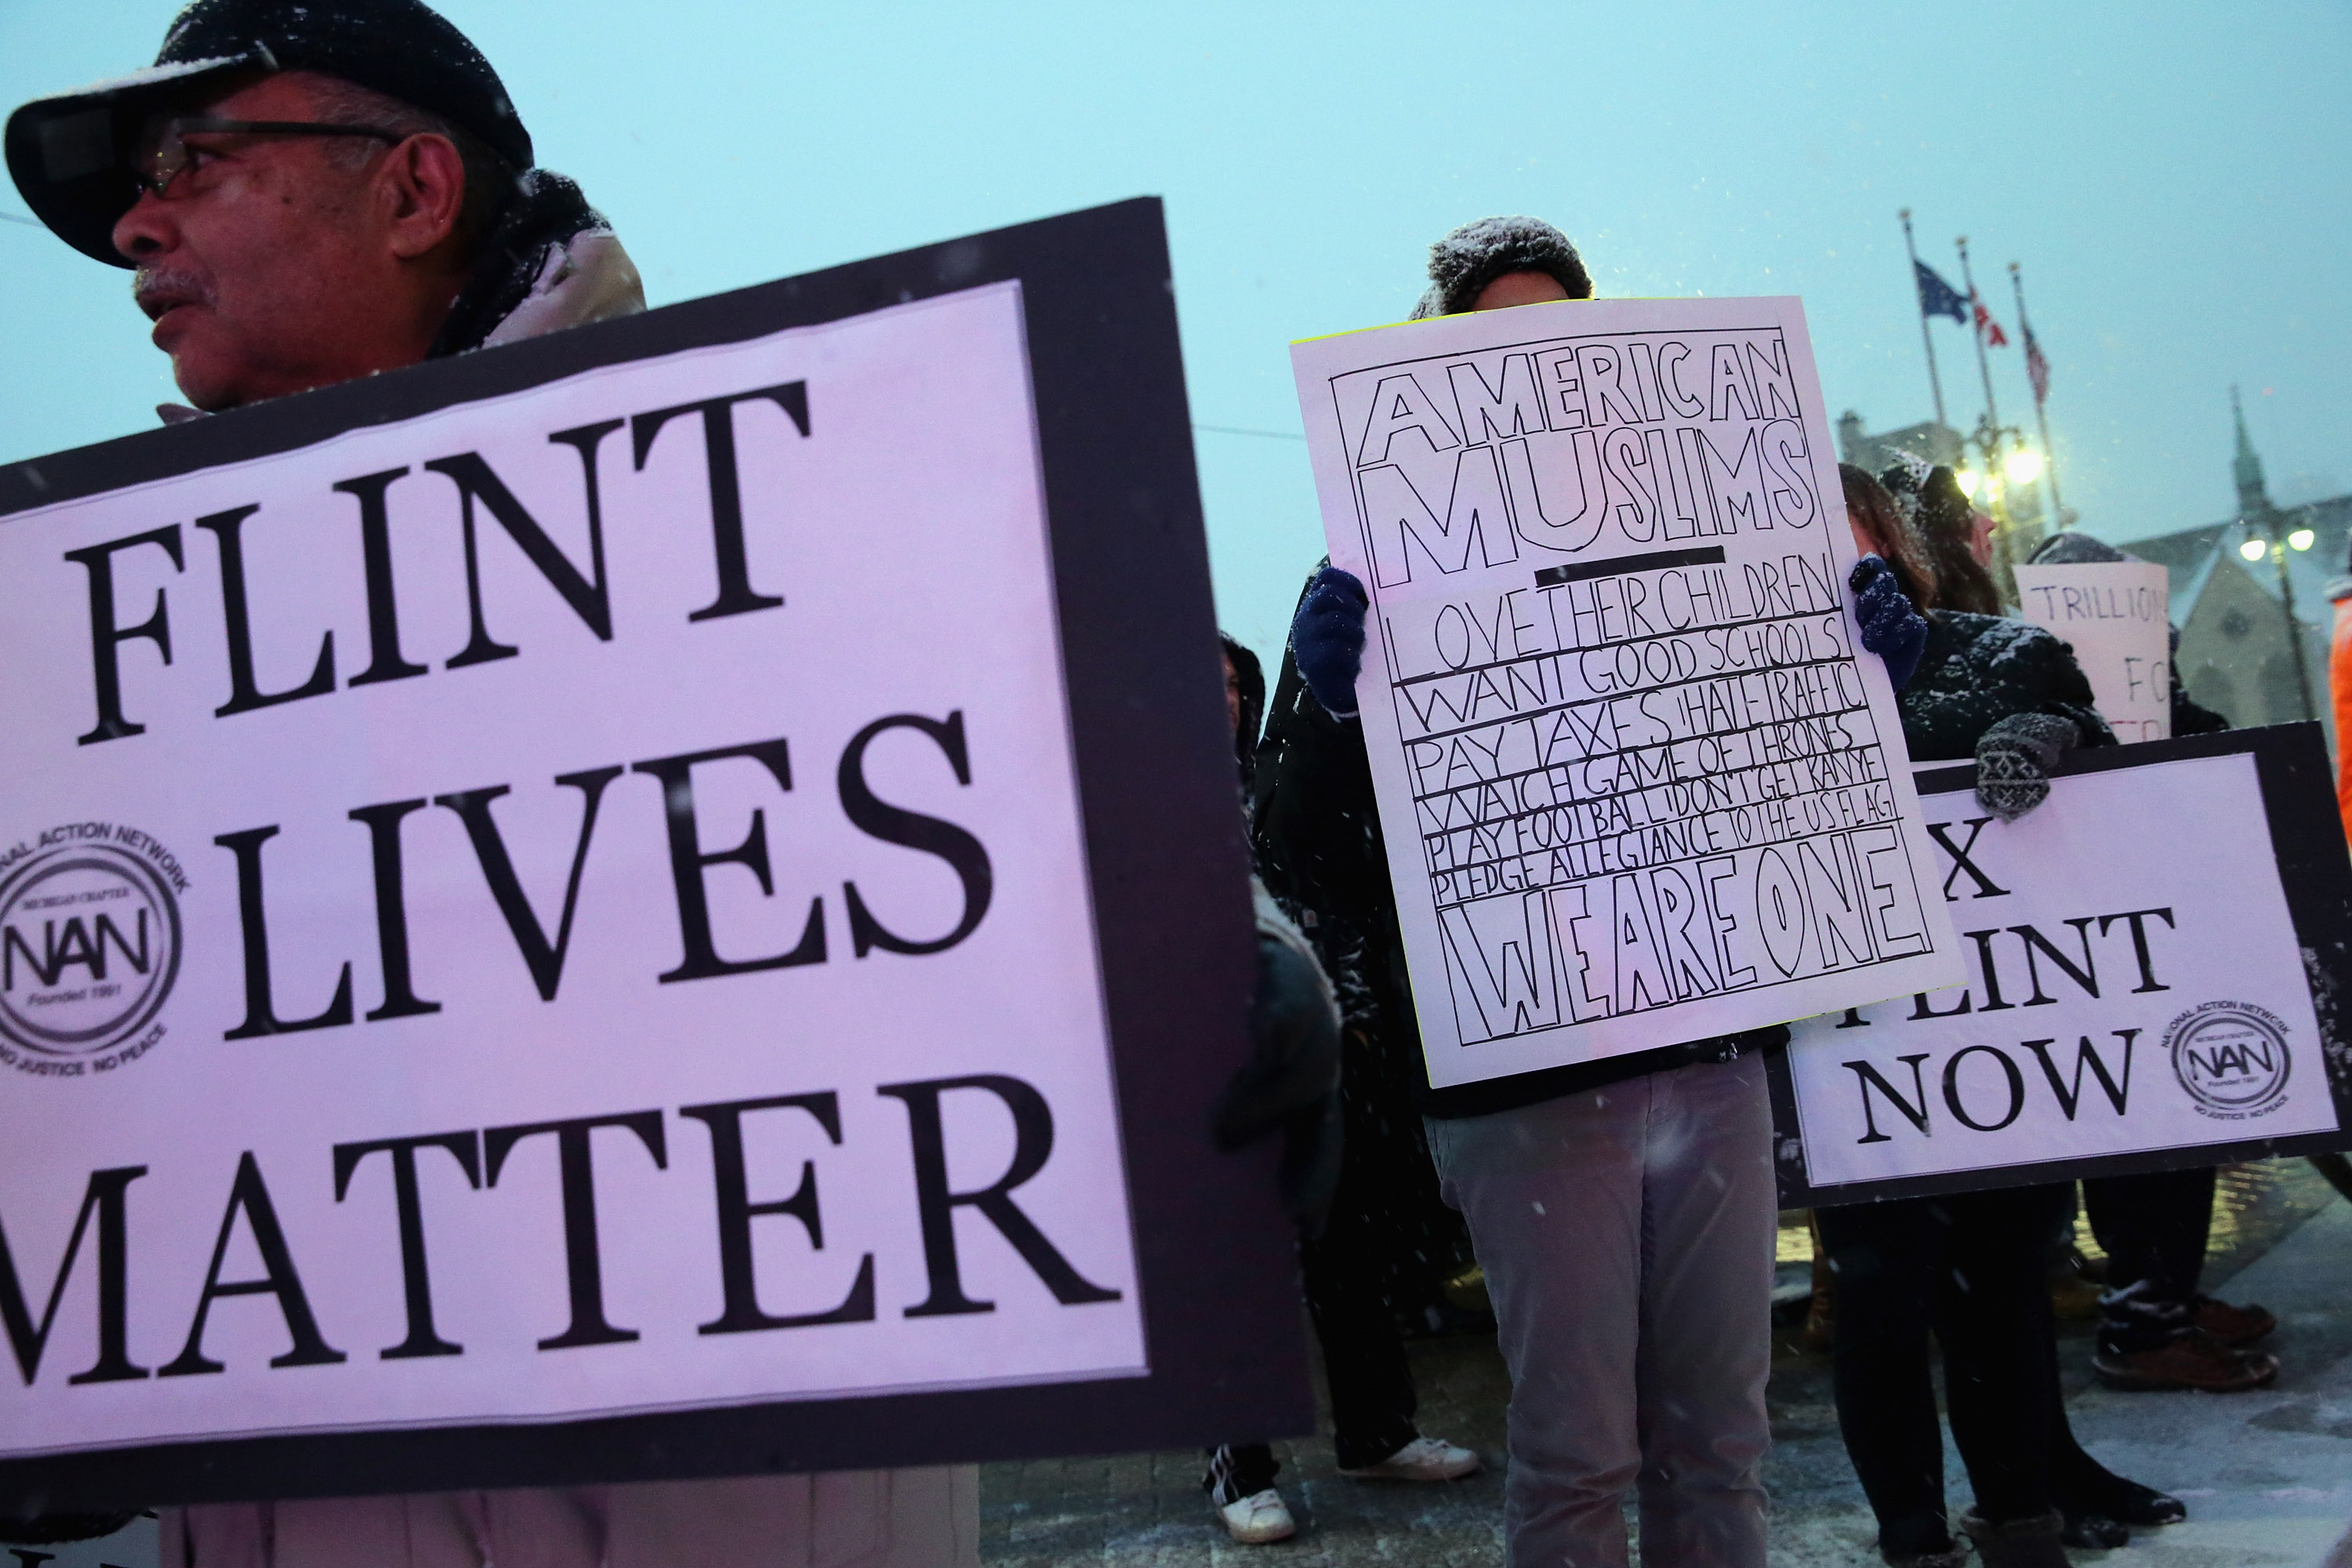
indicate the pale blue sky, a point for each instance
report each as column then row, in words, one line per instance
column 2173, row 179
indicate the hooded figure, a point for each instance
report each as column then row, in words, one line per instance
column 205, row 173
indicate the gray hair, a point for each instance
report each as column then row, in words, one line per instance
column 490, row 182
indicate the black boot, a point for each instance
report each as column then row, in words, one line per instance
column 2084, row 1486
column 2028, row 1543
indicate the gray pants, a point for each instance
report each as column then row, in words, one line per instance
column 1627, row 1235
column 855, row 1519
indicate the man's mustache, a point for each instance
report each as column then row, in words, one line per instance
column 159, row 289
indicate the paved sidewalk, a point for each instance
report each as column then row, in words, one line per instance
column 2268, row 1476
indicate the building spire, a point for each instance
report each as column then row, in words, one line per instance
column 2253, row 496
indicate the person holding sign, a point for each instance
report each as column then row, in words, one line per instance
column 1970, row 1266
column 2156, row 1330
column 1623, row 1208
column 1290, row 1085
column 314, row 191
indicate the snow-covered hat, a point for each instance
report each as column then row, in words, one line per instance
column 1465, row 261
column 71, row 154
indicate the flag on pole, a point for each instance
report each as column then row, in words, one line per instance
column 1986, row 325
column 2037, row 368
column 1937, row 298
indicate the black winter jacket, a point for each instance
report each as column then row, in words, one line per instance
column 1980, row 669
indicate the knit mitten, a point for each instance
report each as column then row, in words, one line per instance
column 2014, row 759
column 1890, row 627
column 1326, row 635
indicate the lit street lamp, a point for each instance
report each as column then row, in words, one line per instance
column 2261, row 539
column 2000, row 463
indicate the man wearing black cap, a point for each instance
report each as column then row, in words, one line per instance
column 312, row 191
column 316, row 190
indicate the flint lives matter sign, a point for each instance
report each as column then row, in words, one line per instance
column 591, row 910
column 2157, row 958
column 1638, row 783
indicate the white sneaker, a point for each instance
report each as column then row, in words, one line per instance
column 1423, row 1460
column 1259, row 1518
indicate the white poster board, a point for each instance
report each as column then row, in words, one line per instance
column 639, row 904
column 601, row 830
column 2113, row 615
column 1637, row 784
column 2139, row 993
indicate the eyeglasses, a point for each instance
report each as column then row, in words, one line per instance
column 163, row 154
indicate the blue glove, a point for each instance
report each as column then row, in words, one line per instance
column 1891, row 628
column 1327, row 637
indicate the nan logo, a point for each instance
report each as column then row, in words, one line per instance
column 89, row 945
column 2232, row 1057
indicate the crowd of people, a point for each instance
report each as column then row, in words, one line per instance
column 1623, row 1210
column 337, row 187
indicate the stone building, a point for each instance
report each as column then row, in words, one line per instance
column 2239, row 625
column 2237, row 652
column 1927, row 440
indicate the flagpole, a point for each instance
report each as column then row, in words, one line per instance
column 1984, row 366
column 2041, row 414
column 1927, row 340
column 2005, row 543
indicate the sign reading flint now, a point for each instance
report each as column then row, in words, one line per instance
column 1638, row 783
column 2145, row 953
column 570, row 904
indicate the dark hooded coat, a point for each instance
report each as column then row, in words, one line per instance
column 1290, row 1084
column 1980, row 669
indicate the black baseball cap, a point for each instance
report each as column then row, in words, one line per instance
column 71, row 154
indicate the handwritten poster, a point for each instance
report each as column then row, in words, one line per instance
column 2113, row 613
column 1638, row 783
column 2122, row 1010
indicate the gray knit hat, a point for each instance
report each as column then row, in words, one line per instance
column 1465, row 261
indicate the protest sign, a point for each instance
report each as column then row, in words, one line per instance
column 2114, row 615
column 1638, row 783
column 648, row 902
column 2156, row 955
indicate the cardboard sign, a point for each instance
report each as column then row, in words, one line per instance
column 2155, row 955
column 589, row 911
column 1638, row 783
column 2113, row 615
